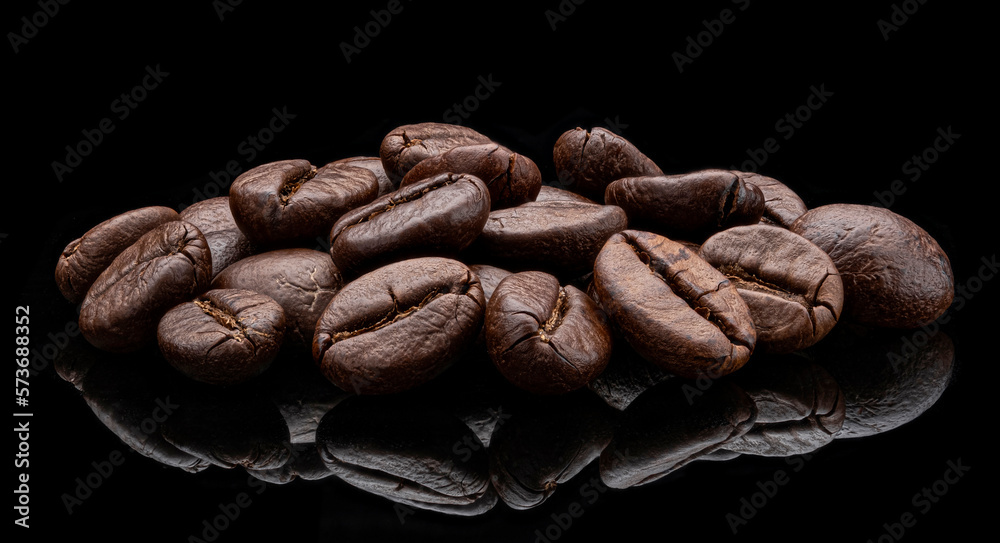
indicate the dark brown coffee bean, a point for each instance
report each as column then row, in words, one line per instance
column 489, row 277
column 223, row 337
column 895, row 274
column 292, row 200
column 545, row 338
column 687, row 206
column 800, row 407
column 166, row 266
column 512, row 178
column 781, row 204
column 588, row 161
column 399, row 326
column 663, row 430
column 85, row 258
column 409, row 144
column 549, row 193
column 438, row 216
column 301, row 281
column 558, row 237
column 373, row 163
column 791, row 286
column 226, row 241
column 407, row 452
column 544, row 444
column 672, row 306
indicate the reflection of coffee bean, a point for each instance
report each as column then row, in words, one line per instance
column 399, row 326
column 166, row 266
column 672, row 306
column 895, row 274
column 302, row 281
column 588, row 161
column 291, row 200
column 85, row 258
column 223, row 336
column 438, row 216
column 543, row 337
column 791, row 286
column 687, row 206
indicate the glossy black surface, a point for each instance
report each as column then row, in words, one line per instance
column 525, row 73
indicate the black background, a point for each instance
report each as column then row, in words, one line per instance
column 593, row 64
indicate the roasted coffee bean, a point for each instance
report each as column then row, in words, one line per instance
column 512, row 178
column 781, row 204
column 291, row 200
column 588, row 161
column 687, row 206
column 543, row 337
column 791, row 286
column 166, row 266
column 301, row 281
column 548, row 193
column 399, row 326
column 559, row 237
column 373, row 163
column 226, row 241
column 544, row 443
column 672, row 306
column 663, row 430
column 86, row 257
column 407, row 452
column 407, row 145
column 800, row 407
column 895, row 274
column 438, row 216
column 223, row 337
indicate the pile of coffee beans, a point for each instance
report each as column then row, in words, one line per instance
column 449, row 241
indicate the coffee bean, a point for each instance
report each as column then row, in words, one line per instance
column 559, row 237
column 301, row 281
column 399, row 326
column 166, row 266
column 895, row 274
column 512, row 178
column 781, row 204
column 588, row 161
column 543, row 337
column 409, row 144
column 549, row 193
column 688, row 206
column 222, row 337
column 672, row 306
column 373, row 163
column 438, row 216
column 292, row 201
column 791, row 286
column 226, row 241
column 86, row 257
column 489, row 277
